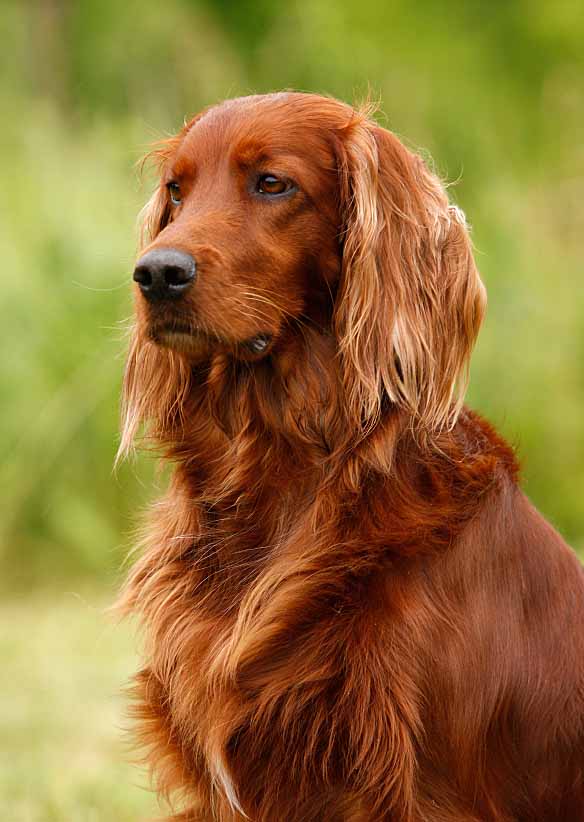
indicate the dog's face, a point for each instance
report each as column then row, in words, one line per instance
column 289, row 211
column 248, row 230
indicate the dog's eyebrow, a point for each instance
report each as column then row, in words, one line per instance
column 180, row 168
column 281, row 159
column 250, row 152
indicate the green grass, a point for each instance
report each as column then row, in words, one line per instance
column 65, row 753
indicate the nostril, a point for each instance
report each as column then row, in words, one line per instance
column 143, row 276
column 178, row 276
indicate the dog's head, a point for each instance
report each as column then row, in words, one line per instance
column 288, row 209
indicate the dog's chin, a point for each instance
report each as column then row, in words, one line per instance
column 195, row 345
column 198, row 346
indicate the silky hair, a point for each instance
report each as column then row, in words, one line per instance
column 351, row 611
column 411, row 301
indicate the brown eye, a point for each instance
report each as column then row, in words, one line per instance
column 174, row 192
column 269, row 184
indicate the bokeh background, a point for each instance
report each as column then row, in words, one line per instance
column 492, row 91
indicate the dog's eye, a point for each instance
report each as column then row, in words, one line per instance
column 174, row 192
column 270, row 184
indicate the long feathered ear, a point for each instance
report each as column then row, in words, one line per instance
column 156, row 213
column 156, row 387
column 411, row 301
column 153, row 217
column 156, row 380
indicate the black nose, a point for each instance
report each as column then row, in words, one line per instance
column 164, row 273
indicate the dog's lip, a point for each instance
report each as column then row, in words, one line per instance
column 259, row 344
column 175, row 329
column 180, row 337
column 185, row 336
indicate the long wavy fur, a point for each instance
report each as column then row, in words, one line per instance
column 321, row 584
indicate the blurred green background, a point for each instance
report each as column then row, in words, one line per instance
column 492, row 91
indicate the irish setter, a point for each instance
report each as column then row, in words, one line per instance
column 352, row 611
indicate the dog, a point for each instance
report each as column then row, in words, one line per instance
column 352, row 612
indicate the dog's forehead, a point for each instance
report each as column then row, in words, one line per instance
column 254, row 128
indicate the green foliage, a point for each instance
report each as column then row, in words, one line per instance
column 490, row 90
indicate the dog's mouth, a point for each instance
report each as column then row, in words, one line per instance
column 181, row 337
column 259, row 345
column 198, row 344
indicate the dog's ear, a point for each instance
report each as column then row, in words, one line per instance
column 411, row 300
column 155, row 380
column 153, row 217
column 156, row 214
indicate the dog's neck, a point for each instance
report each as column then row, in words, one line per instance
column 247, row 428
column 259, row 443
column 264, row 464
